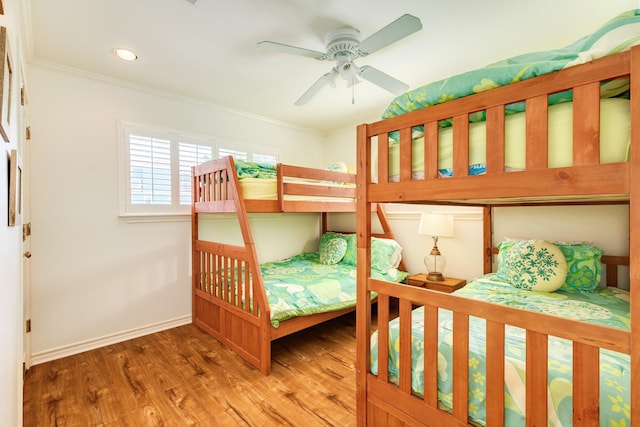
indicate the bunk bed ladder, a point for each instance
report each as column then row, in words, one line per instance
column 229, row 300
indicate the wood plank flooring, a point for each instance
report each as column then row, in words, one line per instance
column 184, row 377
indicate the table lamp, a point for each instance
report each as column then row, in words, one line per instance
column 435, row 225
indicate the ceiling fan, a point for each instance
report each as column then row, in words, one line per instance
column 344, row 46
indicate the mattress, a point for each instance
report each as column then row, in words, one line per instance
column 267, row 189
column 606, row 306
column 614, row 141
column 301, row 285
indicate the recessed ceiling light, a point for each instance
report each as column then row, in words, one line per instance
column 125, row 54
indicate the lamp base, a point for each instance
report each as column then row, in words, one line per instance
column 435, row 276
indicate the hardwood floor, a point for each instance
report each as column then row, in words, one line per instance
column 184, row 377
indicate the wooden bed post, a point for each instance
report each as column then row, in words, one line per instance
column 634, row 234
column 195, row 257
column 487, row 237
column 363, row 299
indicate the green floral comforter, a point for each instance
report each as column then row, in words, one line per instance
column 616, row 35
column 255, row 170
column 302, row 285
column 608, row 306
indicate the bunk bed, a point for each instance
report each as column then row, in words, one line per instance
column 402, row 385
column 246, row 305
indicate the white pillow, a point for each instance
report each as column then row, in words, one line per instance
column 535, row 265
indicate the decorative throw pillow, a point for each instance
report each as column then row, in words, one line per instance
column 333, row 251
column 535, row 265
column 396, row 256
column 338, row 167
column 383, row 254
column 328, row 236
column 351, row 255
column 584, row 266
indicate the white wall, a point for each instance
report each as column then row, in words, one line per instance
column 605, row 226
column 463, row 252
column 95, row 277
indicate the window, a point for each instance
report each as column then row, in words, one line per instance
column 190, row 155
column 156, row 168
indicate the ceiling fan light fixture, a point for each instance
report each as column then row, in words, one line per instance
column 343, row 46
column 125, row 54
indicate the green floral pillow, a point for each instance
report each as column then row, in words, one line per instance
column 385, row 253
column 351, row 255
column 330, row 235
column 535, row 265
column 584, row 266
column 333, row 251
column 382, row 254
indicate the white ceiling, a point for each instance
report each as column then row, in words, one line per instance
column 207, row 51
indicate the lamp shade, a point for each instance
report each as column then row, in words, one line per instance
column 440, row 225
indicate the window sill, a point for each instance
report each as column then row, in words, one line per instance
column 154, row 217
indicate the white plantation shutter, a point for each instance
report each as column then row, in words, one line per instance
column 150, row 170
column 264, row 158
column 236, row 154
column 190, row 155
column 155, row 169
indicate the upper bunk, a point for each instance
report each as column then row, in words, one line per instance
column 559, row 135
column 221, row 187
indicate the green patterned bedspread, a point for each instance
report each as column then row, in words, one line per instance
column 616, row 35
column 255, row 170
column 302, row 285
column 608, row 306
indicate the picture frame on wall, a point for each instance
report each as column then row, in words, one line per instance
column 15, row 189
column 6, row 84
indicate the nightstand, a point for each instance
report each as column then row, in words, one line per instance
column 448, row 285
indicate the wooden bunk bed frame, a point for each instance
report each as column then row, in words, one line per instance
column 380, row 402
column 228, row 316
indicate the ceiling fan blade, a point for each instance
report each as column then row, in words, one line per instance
column 397, row 30
column 327, row 79
column 383, row 80
column 285, row 48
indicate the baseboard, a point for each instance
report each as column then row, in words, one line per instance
column 69, row 350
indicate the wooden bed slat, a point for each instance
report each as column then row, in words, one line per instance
column 431, row 150
column 495, row 373
column 586, row 386
column 495, row 139
column 383, row 158
column 537, row 150
column 383, row 337
column 536, row 378
column 405, row 346
column 460, row 366
column 431, row 355
column 406, row 155
column 461, row 145
column 586, row 124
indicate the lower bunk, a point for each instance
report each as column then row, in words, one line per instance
column 300, row 291
column 496, row 355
